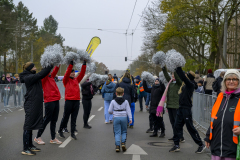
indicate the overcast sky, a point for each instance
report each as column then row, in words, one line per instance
column 113, row 15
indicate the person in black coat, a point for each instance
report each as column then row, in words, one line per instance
column 217, row 84
column 88, row 91
column 184, row 113
column 156, row 91
column 127, row 84
column 33, row 104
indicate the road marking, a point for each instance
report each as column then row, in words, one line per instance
column 21, row 109
column 100, row 108
column 136, row 157
column 92, row 116
column 0, row 137
column 66, row 141
column 136, row 151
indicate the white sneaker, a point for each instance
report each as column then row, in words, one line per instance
column 39, row 141
column 55, row 141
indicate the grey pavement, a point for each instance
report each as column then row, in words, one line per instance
column 96, row 143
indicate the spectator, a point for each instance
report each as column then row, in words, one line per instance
column 224, row 129
column 200, row 88
column 197, row 77
column 208, row 82
column 217, row 83
column 17, row 93
column 141, row 93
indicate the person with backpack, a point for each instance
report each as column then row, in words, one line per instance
column 108, row 92
column 87, row 93
column 217, row 84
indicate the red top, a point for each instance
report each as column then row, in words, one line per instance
column 72, row 90
column 50, row 89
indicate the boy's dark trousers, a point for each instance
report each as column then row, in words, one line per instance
column 27, row 139
column 87, row 105
column 184, row 116
column 51, row 114
column 71, row 108
column 158, row 123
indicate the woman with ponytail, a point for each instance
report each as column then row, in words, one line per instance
column 33, row 104
column 108, row 91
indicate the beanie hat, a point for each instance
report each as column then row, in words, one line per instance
column 73, row 70
column 191, row 75
column 210, row 71
column 196, row 72
column 230, row 71
column 138, row 77
column 28, row 66
column 200, row 82
column 157, row 79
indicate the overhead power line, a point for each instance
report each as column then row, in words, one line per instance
column 132, row 14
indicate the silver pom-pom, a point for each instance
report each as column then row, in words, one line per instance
column 98, row 79
column 174, row 59
column 83, row 55
column 69, row 57
column 162, row 78
column 53, row 55
column 148, row 77
column 159, row 58
column 91, row 67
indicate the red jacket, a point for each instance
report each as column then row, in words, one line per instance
column 50, row 89
column 72, row 90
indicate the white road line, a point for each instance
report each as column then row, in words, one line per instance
column 0, row 137
column 100, row 108
column 136, row 157
column 66, row 141
column 21, row 109
column 92, row 116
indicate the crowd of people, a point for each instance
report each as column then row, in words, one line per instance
column 120, row 96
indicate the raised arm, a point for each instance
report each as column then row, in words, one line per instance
column 178, row 80
column 183, row 77
column 166, row 75
column 55, row 71
column 82, row 73
column 67, row 74
column 145, row 87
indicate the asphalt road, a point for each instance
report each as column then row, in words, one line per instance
column 96, row 143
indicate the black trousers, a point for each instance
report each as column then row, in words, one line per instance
column 172, row 113
column 184, row 116
column 151, row 122
column 51, row 115
column 87, row 106
column 158, row 123
column 71, row 108
column 27, row 139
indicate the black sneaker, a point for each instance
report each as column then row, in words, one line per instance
column 154, row 135
column 170, row 139
column 117, row 148
column 124, row 147
column 28, row 152
column 162, row 135
column 131, row 127
column 65, row 130
column 182, row 140
column 61, row 135
column 201, row 149
column 73, row 136
column 87, row 127
column 149, row 130
column 175, row 149
column 34, row 149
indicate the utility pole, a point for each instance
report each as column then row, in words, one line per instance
column 16, row 56
column 31, row 51
column 225, row 39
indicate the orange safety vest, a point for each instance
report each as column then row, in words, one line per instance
column 215, row 109
column 141, row 88
column 112, row 80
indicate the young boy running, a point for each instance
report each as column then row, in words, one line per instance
column 120, row 109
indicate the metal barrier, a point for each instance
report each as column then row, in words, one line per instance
column 202, row 108
column 12, row 96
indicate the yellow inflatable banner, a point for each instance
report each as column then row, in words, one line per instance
column 95, row 41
